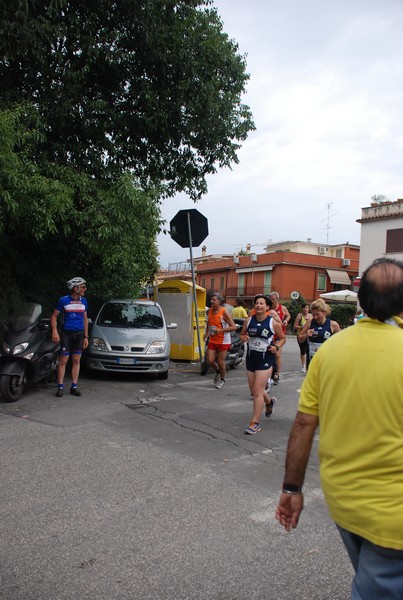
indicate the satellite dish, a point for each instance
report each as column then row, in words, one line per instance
column 294, row 295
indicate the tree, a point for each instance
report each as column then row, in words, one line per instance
column 55, row 227
column 153, row 86
column 105, row 108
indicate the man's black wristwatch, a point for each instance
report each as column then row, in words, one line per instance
column 289, row 488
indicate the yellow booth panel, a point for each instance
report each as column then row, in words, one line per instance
column 176, row 300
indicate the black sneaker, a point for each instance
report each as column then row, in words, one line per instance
column 59, row 392
column 75, row 391
column 269, row 407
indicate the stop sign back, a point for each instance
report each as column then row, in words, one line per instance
column 180, row 230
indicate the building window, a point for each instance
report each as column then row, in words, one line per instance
column 212, row 284
column 221, row 283
column 267, row 282
column 203, row 282
column 241, row 284
column 394, row 241
column 321, row 283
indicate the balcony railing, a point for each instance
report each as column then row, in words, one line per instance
column 247, row 292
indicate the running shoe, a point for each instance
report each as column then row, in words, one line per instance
column 220, row 384
column 276, row 379
column 217, row 377
column 270, row 406
column 253, row 428
column 59, row 392
column 75, row 391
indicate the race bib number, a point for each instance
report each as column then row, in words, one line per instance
column 258, row 344
column 313, row 348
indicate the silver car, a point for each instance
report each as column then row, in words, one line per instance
column 131, row 336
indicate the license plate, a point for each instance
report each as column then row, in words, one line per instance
column 125, row 361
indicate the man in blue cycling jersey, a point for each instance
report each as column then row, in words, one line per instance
column 74, row 336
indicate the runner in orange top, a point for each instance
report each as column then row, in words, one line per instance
column 219, row 326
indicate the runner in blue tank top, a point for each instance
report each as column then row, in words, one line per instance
column 258, row 331
column 318, row 329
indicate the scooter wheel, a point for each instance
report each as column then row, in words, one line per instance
column 204, row 368
column 11, row 387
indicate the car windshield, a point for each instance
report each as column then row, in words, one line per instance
column 130, row 314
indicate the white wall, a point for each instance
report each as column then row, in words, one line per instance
column 373, row 240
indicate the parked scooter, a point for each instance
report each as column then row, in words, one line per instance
column 28, row 354
column 234, row 355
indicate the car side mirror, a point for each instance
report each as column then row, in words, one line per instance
column 172, row 325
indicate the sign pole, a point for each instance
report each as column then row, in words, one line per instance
column 194, row 286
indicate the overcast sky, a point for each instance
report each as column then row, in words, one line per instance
column 326, row 93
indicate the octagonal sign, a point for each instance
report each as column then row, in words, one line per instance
column 180, row 230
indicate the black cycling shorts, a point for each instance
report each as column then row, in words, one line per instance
column 71, row 342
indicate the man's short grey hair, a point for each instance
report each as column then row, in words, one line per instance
column 276, row 295
column 219, row 297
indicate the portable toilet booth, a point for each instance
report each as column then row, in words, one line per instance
column 176, row 300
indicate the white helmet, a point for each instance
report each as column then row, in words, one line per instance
column 76, row 281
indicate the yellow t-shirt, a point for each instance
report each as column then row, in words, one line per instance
column 355, row 386
column 239, row 313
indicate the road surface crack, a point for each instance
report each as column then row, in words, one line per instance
column 249, row 445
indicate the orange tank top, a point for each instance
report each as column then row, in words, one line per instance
column 216, row 320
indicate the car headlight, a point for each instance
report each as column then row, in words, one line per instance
column 6, row 348
column 20, row 348
column 156, row 348
column 98, row 344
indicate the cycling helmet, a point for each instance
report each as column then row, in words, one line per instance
column 76, row 281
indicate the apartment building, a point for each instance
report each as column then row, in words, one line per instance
column 306, row 267
column 381, row 232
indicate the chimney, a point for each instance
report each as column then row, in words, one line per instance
column 204, row 248
column 248, row 247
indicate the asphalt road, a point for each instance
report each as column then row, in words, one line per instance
column 147, row 489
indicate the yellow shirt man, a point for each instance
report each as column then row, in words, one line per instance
column 361, row 431
column 239, row 313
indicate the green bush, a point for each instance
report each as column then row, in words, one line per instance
column 294, row 308
column 342, row 313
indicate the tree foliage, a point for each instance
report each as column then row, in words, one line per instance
column 59, row 224
column 106, row 107
column 153, row 86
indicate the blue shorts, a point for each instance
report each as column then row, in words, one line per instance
column 259, row 361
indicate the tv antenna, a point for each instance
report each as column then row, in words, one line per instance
column 329, row 216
